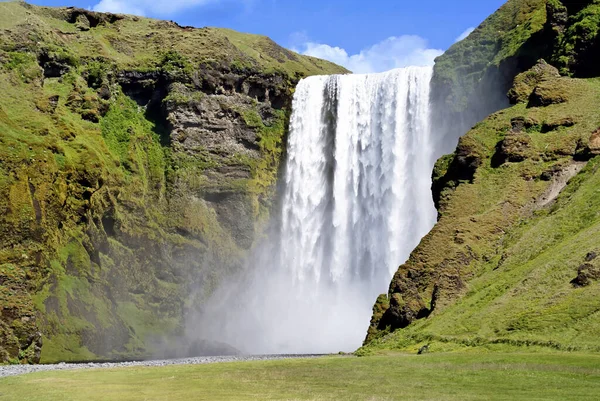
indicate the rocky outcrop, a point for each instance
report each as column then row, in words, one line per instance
column 526, row 83
column 471, row 78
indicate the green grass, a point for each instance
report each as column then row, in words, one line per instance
column 465, row 376
column 500, row 265
column 139, row 43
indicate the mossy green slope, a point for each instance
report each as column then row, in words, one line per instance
column 510, row 261
column 477, row 63
column 471, row 79
column 111, row 212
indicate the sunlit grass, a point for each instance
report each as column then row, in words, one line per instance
column 465, row 376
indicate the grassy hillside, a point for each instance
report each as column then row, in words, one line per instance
column 513, row 258
column 461, row 377
column 512, row 261
column 137, row 163
column 136, row 42
column 472, row 77
column 485, row 62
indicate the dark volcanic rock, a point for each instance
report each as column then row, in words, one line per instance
column 591, row 256
column 585, row 275
column 515, row 148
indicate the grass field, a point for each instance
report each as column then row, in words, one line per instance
column 464, row 376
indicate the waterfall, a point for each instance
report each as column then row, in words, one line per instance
column 356, row 201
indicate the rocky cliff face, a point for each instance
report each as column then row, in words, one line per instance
column 514, row 240
column 138, row 160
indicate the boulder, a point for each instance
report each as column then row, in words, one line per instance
column 586, row 273
column 526, row 82
column 550, row 92
column 514, row 148
column 594, row 144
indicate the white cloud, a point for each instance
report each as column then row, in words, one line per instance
column 464, row 34
column 145, row 7
column 393, row 52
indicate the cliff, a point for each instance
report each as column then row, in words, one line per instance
column 137, row 165
column 472, row 78
column 512, row 260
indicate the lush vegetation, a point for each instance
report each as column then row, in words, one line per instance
column 473, row 74
column 503, row 264
column 512, row 260
column 468, row 376
column 114, row 219
column 472, row 77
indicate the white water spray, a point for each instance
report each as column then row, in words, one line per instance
column 357, row 200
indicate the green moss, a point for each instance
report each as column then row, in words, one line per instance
column 131, row 138
column 175, row 65
column 97, row 72
column 177, row 98
column 99, row 209
column 25, row 65
column 61, row 55
column 65, row 348
column 500, row 261
column 578, row 41
column 252, row 119
column 264, row 170
column 465, row 68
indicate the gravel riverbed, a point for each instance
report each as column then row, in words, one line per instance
column 15, row 370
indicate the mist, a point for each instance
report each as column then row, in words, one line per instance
column 355, row 201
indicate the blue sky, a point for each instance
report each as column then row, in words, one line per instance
column 365, row 36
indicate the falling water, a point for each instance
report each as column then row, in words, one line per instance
column 356, row 202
